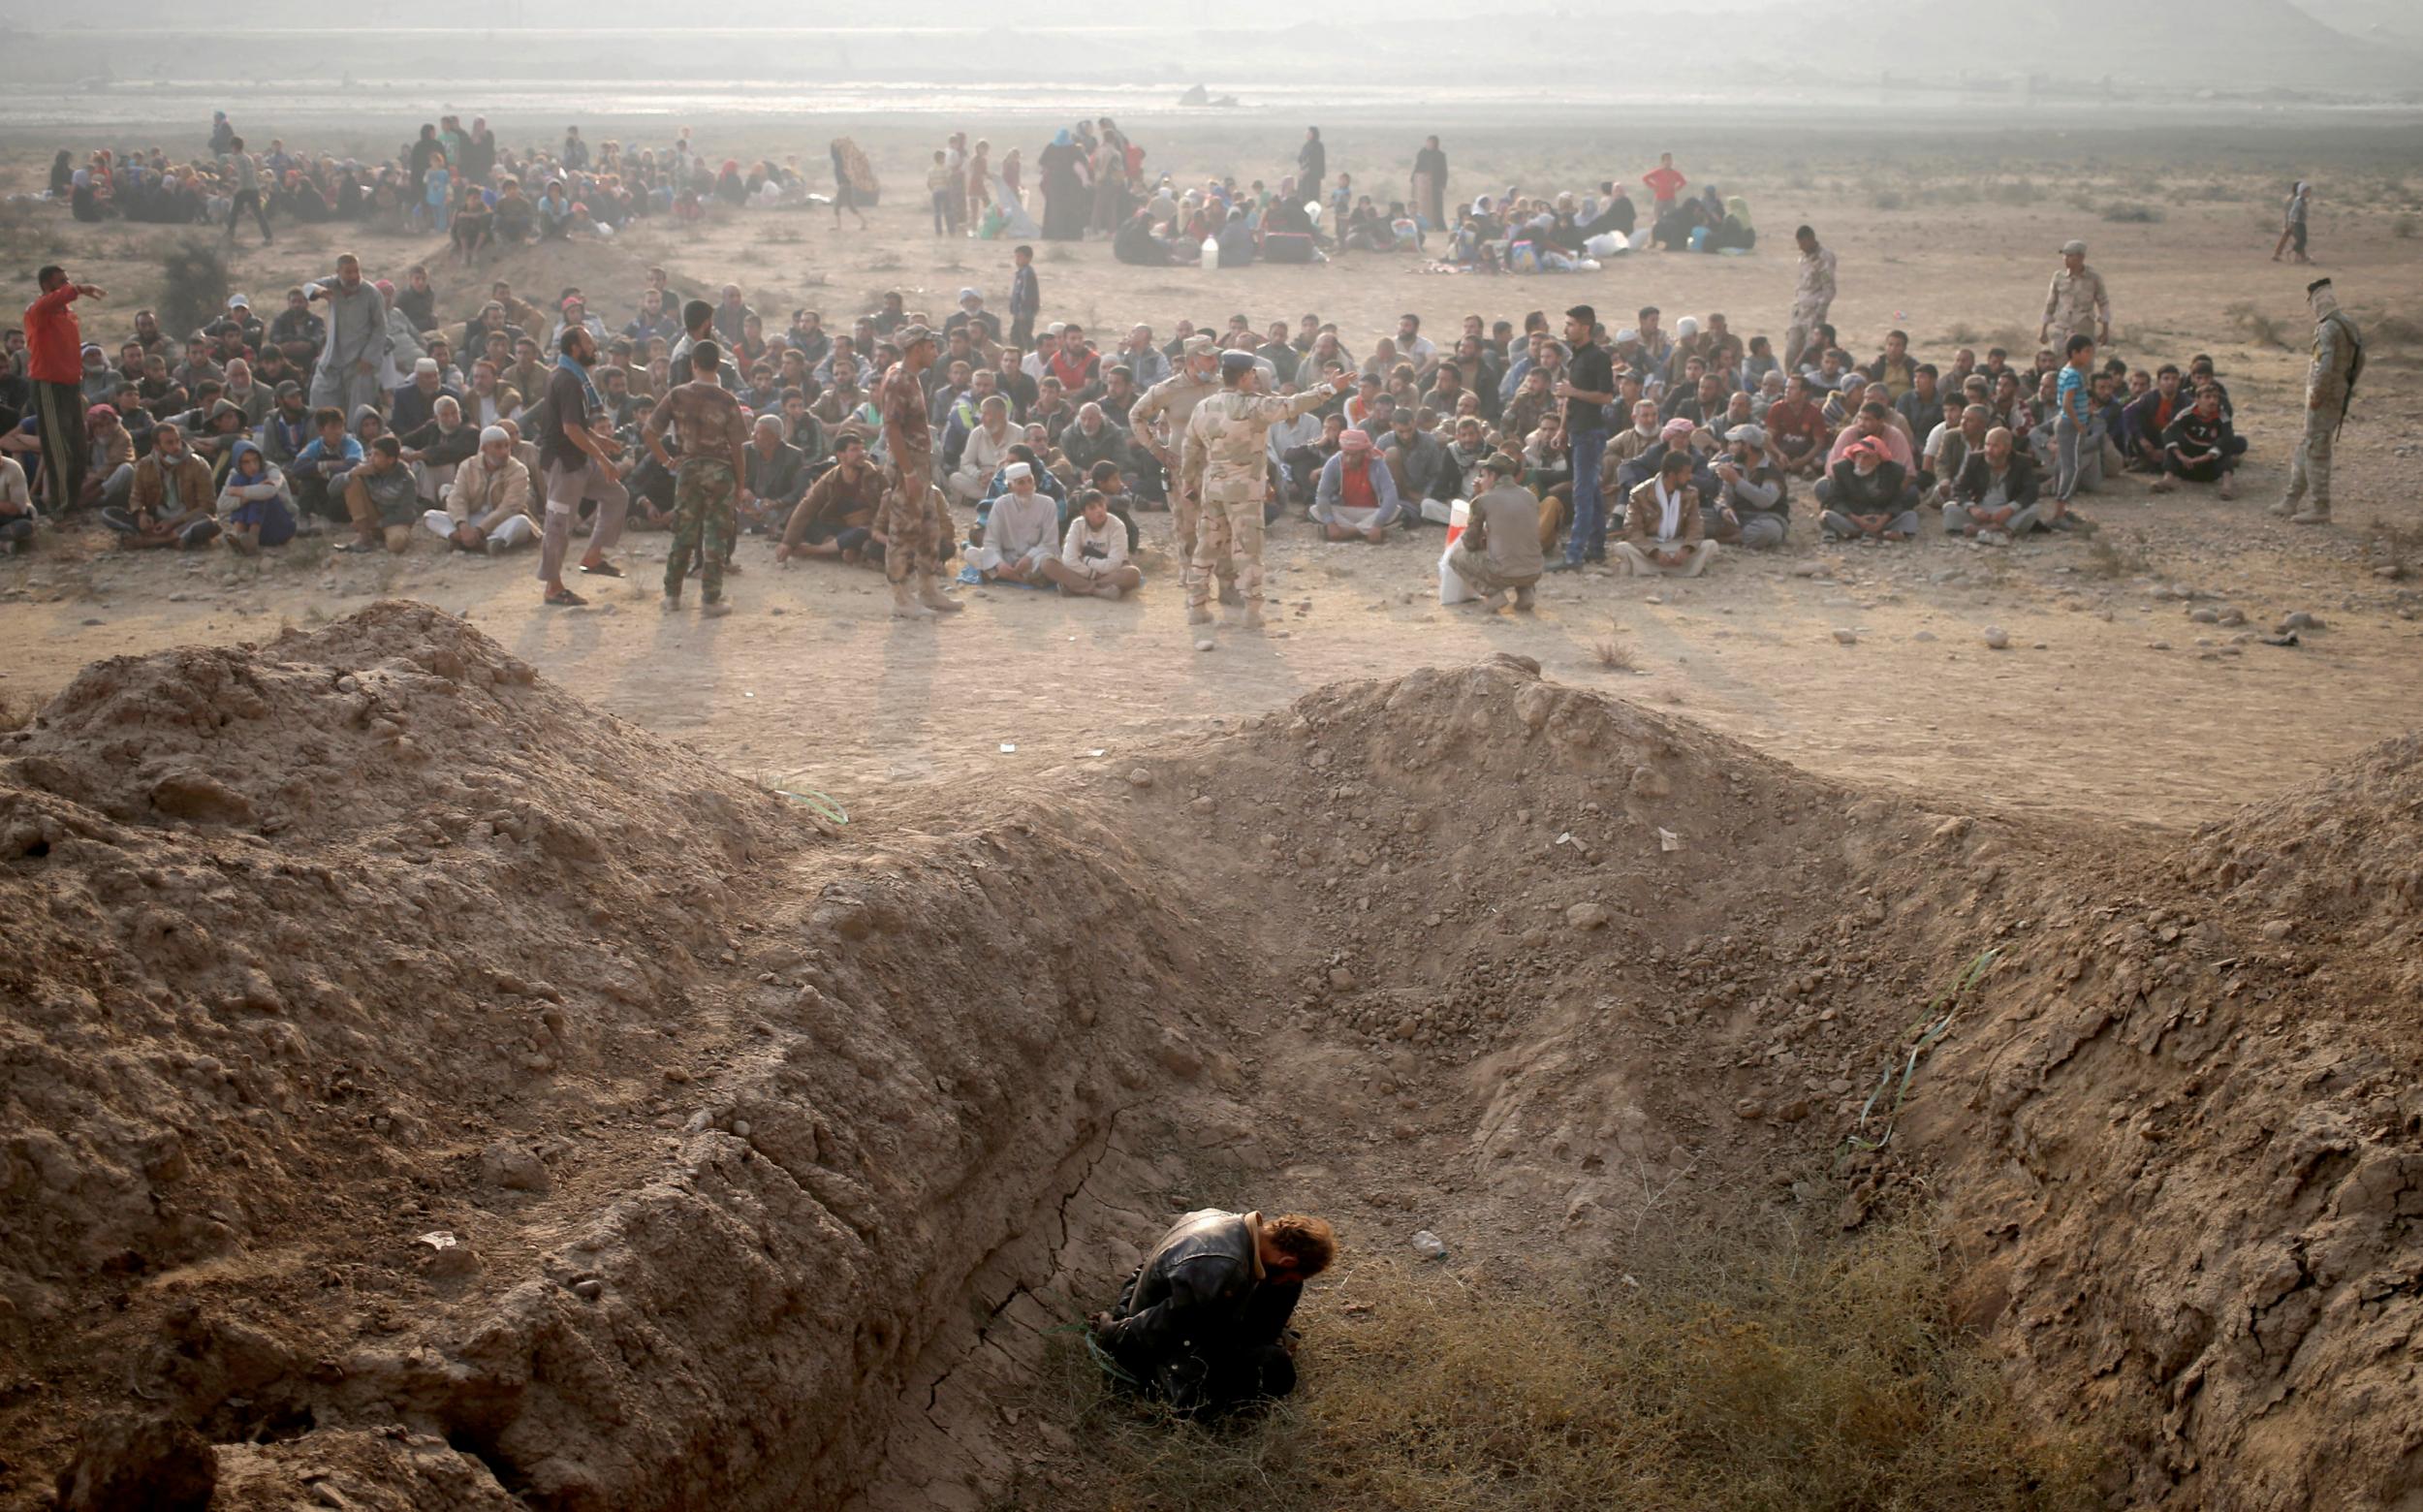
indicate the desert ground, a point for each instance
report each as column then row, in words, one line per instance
column 773, row 1158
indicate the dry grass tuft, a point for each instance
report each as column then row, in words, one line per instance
column 1613, row 654
column 2256, row 327
column 2108, row 556
column 1780, row 1378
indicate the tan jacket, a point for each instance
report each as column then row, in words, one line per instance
column 479, row 492
column 195, row 492
column 1643, row 516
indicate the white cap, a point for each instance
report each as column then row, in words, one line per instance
column 237, row 301
column 966, row 294
column 1015, row 471
column 427, row 365
column 494, row 434
column 1687, row 326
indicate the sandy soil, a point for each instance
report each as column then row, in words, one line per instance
column 2128, row 708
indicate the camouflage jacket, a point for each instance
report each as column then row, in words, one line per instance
column 1228, row 437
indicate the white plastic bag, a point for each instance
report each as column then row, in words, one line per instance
column 1451, row 588
column 1210, row 254
column 1607, row 244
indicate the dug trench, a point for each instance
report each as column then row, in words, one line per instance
column 417, row 1089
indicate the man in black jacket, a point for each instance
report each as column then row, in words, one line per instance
column 1994, row 497
column 1202, row 1322
column 1867, row 495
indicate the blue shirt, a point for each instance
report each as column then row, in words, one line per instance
column 2072, row 395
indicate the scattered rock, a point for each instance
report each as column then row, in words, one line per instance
column 513, row 1167
column 1997, row 639
column 2205, row 616
column 588, row 1289
column 2299, row 620
column 1846, row 637
column 1207, row 643
column 1588, row 916
column 1139, row 776
column 1808, row 569
column 1924, row 636
column 1750, row 1108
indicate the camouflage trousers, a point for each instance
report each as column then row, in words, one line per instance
column 1187, row 515
column 1228, row 545
column 914, row 523
column 703, row 492
column 2309, row 465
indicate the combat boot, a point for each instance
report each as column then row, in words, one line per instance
column 904, row 604
column 929, row 593
column 1254, row 616
column 1198, row 613
column 2283, row 509
column 2317, row 512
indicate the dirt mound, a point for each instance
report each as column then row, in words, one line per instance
column 420, row 1082
column 2185, row 1131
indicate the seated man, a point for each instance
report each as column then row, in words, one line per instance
column 172, row 501
column 1868, row 496
column 1994, row 498
column 1020, row 532
column 2201, row 447
column 1093, row 556
column 16, row 509
column 1357, row 494
column 837, row 517
column 1500, row 550
column 488, row 505
column 777, row 478
column 1093, row 439
column 1662, row 532
column 1798, row 429
column 1754, row 495
column 382, row 499
column 1201, row 1324
column 318, row 469
column 1949, row 448
column 1106, row 479
column 1419, row 459
column 987, row 448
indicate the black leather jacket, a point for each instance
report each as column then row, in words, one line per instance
column 1196, row 1293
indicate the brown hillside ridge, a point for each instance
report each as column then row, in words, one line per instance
column 432, row 1092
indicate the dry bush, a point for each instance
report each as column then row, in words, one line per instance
column 2398, row 546
column 2393, row 333
column 2110, row 558
column 1613, row 654
column 1886, row 200
column 16, row 714
column 1774, row 1379
column 2017, row 191
column 2256, row 327
column 2132, row 214
column 2405, row 228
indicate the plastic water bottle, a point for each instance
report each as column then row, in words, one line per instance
column 1210, row 254
column 1429, row 1245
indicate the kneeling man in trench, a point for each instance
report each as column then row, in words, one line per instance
column 1202, row 1322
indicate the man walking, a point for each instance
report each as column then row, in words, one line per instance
column 913, row 525
column 247, row 195
column 2329, row 387
column 1587, row 388
column 708, row 475
column 576, row 463
column 355, row 351
column 1813, row 295
column 1171, row 402
column 54, row 363
column 1228, row 440
column 2077, row 304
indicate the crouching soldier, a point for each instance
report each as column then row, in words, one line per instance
column 1201, row 1324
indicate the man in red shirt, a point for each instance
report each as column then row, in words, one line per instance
column 1664, row 183
column 55, row 352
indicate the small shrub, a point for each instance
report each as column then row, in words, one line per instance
column 2257, row 328
column 2017, row 191
column 1886, row 200
column 2405, row 228
column 2107, row 557
column 2132, row 214
column 1614, row 655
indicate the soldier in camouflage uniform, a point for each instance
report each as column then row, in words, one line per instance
column 1173, row 402
column 1228, row 446
column 2076, row 304
column 2329, row 384
column 913, row 523
column 708, row 475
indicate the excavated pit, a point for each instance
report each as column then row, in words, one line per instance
column 421, row 1084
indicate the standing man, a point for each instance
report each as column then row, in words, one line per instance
column 1173, row 403
column 913, row 523
column 1665, row 181
column 2077, row 304
column 1228, row 440
column 55, row 361
column 247, row 195
column 706, row 477
column 1587, row 388
column 1430, row 185
column 355, row 351
column 1312, row 161
column 2329, row 385
column 1025, row 298
column 1813, row 295
column 576, row 463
